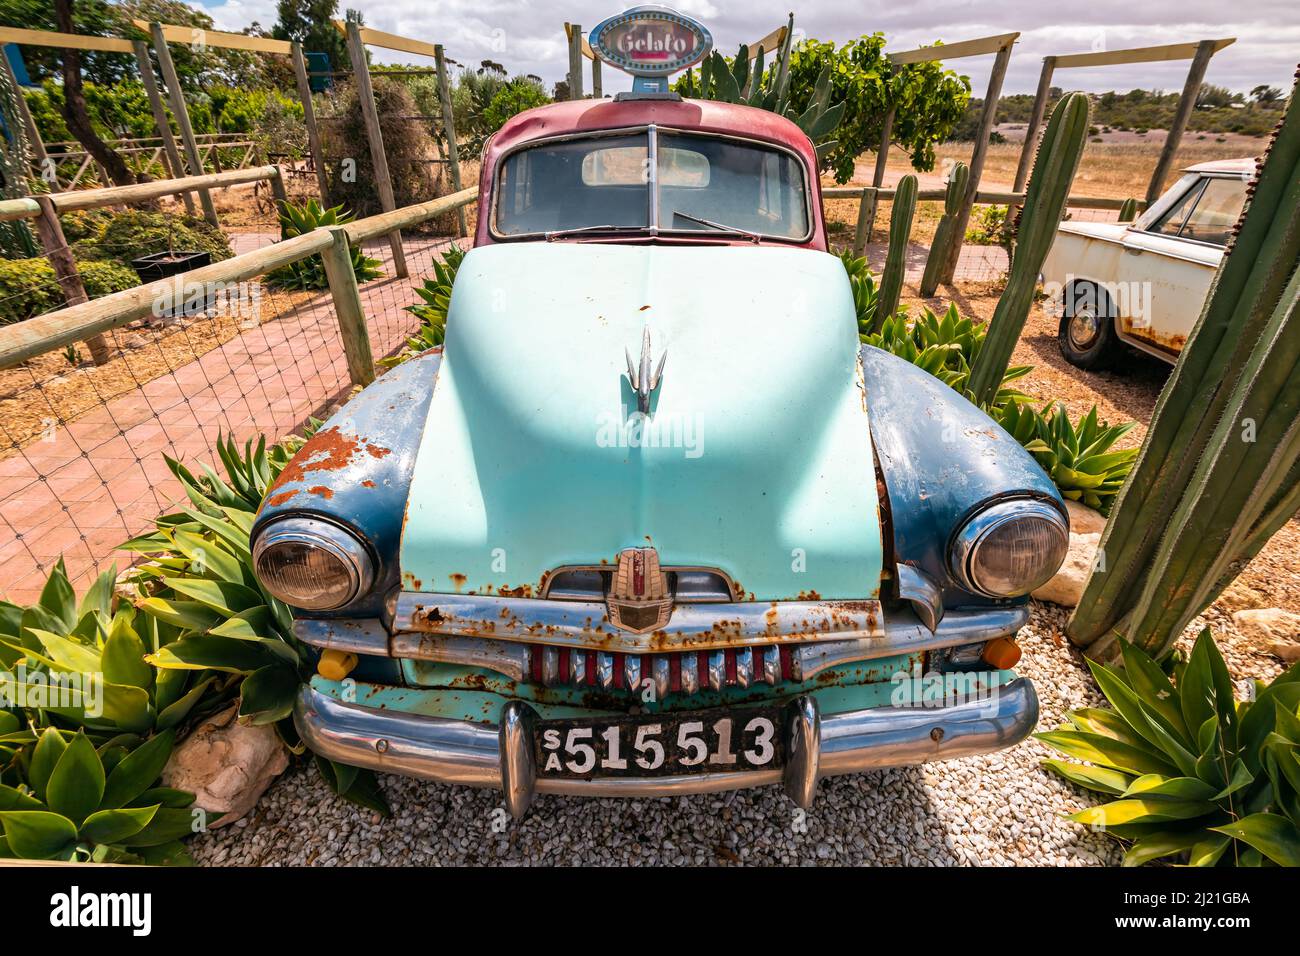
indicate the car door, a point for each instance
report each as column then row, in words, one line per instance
column 1170, row 259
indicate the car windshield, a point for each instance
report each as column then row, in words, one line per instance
column 654, row 181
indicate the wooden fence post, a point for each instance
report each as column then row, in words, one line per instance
column 347, row 305
column 182, row 115
column 866, row 216
column 378, row 159
column 878, row 175
column 575, row 61
column 172, row 155
column 309, row 120
column 65, row 269
column 1186, row 103
column 987, row 115
column 1035, row 121
column 597, row 81
column 449, row 129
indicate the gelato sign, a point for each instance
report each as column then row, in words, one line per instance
column 650, row 42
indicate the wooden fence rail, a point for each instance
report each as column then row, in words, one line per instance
column 28, row 208
column 45, row 333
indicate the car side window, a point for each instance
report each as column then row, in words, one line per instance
column 1206, row 213
column 1171, row 223
column 1216, row 211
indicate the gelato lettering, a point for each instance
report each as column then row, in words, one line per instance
column 650, row 43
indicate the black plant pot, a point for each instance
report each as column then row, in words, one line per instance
column 163, row 265
column 160, row 265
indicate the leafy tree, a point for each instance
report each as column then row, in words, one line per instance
column 927, row 99
column 309, row 22
column 516, row 96
column 1265, row 95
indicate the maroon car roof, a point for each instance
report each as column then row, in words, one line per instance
column 578, row 116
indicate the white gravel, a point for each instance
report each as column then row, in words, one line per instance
column 996, row 809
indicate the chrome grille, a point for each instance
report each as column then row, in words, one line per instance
column 686, row 672
column 591, row 583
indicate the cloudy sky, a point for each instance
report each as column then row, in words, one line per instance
column 527, row 35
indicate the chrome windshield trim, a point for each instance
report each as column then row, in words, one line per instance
column 585, row 624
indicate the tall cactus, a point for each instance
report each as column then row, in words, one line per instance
column 943, row 233
column 900, row 229
column 1049, row 188
column 1218, row 468
column 1128, row 212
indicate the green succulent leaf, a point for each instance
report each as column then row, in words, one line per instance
column 137, row 771
column 77, row 784
column 115, row 826
column 38, row 834
column 1275, row 837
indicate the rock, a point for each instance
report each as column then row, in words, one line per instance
column 1240, row 596
column 1271, row 629
column 1066, row 586
column 226, row 765
column 1084, row 520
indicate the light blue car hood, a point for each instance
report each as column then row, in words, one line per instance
column 756, row 458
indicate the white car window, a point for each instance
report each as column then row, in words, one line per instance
column 1216, row 211
column 1206, row 213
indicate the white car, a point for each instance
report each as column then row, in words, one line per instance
column 1144, row 282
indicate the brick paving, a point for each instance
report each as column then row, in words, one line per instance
column 94, row 482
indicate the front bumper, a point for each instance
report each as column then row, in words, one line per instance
column 501, row 756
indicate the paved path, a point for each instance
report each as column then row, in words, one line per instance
column 101, row 479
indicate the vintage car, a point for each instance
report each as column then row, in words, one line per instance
column 1143, row 283
column 653, row 521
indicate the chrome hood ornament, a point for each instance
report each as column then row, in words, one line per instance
column 644, row 383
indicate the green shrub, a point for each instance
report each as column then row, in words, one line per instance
column 309, row 273
column 990, row 227
column 946, row 348
column 28, row 287
column 1192, row 774
column 432, row 312
column 77, row 774
column 863, row 284
column 135, row 233
column 1078, row 458
column 200, row 581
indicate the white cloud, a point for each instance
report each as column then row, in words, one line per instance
column 527, row 35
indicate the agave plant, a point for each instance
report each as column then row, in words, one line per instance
column 199, row 580
column 309, row 273
column 100, row 805
column 1192, row 773
column 945, row 347
column 863, row 284
column 1077, row 458
column 746, row 81
column 103, row 639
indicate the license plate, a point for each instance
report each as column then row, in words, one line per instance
column 661, row 744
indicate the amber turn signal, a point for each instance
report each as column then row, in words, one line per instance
column 1002, row 653
column 336, row 665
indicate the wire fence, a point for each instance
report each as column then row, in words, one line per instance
column 82, row 445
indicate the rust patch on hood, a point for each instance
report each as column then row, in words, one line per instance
column 281, row 498
column 327, row 450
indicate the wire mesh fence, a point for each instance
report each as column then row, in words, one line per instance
column 82, row 446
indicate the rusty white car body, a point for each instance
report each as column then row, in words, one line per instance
column 1144, row 282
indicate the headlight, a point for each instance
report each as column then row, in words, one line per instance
column 312, row 564
column 1009, row 548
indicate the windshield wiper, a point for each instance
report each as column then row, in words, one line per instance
column 560, row 233
column 721, row 227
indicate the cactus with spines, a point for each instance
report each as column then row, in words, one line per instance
column 1045, row 200
column 1128, row 212
column 958, row 179
column 1218, row 470
column 900, row 228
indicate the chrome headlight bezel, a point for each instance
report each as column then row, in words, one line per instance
column 978, row 531
column 337, row 542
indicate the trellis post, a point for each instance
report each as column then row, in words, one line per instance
column 1186, row 103
column 449, row 129
column 172, row 156
column 179, row 110
column 378, row 159
column 309, row 120
column 50, row 231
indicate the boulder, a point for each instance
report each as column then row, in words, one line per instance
column 1066, row 586
column 226, row 765
column 1084, row 520
column 1271, row 629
